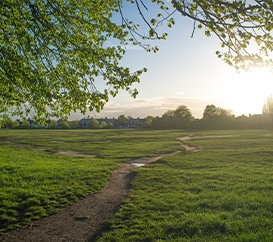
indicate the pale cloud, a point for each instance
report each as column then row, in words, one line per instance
column 157, row 106
column 179, row 93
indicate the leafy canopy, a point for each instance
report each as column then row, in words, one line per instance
column 244, row 28
column 52, row 51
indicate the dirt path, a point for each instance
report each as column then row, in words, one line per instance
column 191, row 137
column 85, row 219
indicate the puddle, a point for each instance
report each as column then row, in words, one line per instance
column 136, row 164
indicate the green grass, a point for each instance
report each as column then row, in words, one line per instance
column 35, row 181
column 223, row 192
column 35, row 184
column 120, row 144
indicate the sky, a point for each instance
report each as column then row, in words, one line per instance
column 186, row 71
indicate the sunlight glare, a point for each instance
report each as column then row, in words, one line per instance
column 246, row 92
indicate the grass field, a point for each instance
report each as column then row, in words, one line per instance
column 223, row 192
column 36, row 180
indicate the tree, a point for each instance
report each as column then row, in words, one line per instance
column 53, row 124
column 93, row 123
column 64, row 125
column 183, row 116
column 122, row 120
column 211, row 112
column 216, row 117
column 15, row 124
column 168, row 115
column 110, row 125
column 7, row 122
column 149, row 121
column 103, row 125
column 25, row 124
column 167, row 120
column 74, row 124
column 243, row 27
column 2, row 124
column 268, row 105
column 53, row 51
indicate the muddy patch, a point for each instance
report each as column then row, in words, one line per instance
column 8, row 142
column 74, row 153
column 144, row 161
column 147, row 160
column 51, row 151
column 190, row 148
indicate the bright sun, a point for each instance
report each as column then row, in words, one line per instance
column 246, row 92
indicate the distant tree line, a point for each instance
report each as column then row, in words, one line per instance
column 86, row 123
column 213, row 118
column 181, row 118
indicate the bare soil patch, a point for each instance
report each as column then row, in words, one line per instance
column 194, row 148
column 190, row 137
column 74, row 153
column 60, row 152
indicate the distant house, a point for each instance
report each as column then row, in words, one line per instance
column 135, row 123
column 109, row 120
column 130, row 123
column 83, row 123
